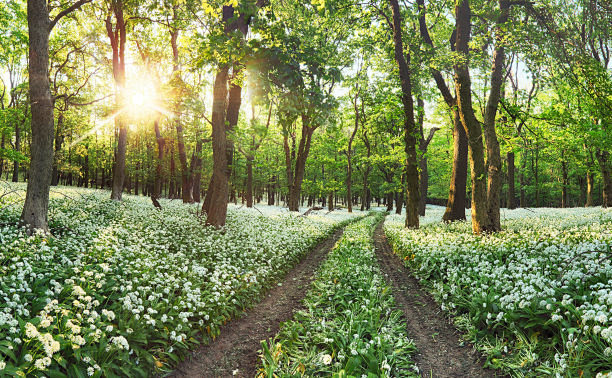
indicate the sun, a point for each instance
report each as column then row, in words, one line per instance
column 141, row 98
column 137, row 100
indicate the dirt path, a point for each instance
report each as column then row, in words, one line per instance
column 439, row 353
column 234, row 352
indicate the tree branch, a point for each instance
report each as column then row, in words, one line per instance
column 66, row 11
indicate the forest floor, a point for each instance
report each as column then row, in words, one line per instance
column 235, row 351
column 440, row 350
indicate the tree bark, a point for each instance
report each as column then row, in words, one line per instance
column 480, row 219
column 456, row 204
column 494, row 164
column 410, row 129
column 249, row 184
column 590, row 185
column 15, row 177
column 186, row 182
column 118, row 39
column 59, row 140
column 300, row 164
column 155, row 194
column 349, row 153
column 511, row 203
column 564, row 183
column 215, row 202
column 36, row 204
column 603, row 157
column 197, row 172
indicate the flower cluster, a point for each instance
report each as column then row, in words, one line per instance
column 122, row 288
column 349, row 326
column 537, row 297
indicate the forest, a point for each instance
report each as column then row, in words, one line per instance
column 280, row 188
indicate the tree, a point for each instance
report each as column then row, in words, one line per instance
column 36, row 204
column 118, row 37
column 225, row 117
column 455, row 206
column 410, row 129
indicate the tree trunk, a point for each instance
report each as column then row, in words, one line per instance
column 215, row 202
column 410, row 129
column 172, row 185
column 349, row 154
column 399, row 202
column 510, row 202
column 59, row 140
column 86, row 172
column 300, row 164
column 118, row 39
column 18, row 149
column 197, row 172
column 456, row 204
column 36, row 204
column 249, row 184
column 156, row 193
column 186, row 182
column 224, row 120
column 389, row 200
column 2, row 142
column 564, row 183
column 603, row 157
column 424, row 184
column 590, row 185
column 480, row 219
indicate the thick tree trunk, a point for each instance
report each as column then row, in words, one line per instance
column 410, row 129
column 36, row 204
column 590, row 184
column 456, row 204
column 494, row 163
column 215, row 202
column 510, row 202
column 480, row 219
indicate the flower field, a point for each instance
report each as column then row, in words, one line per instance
column 124, row 289
column 349, row 326
column 536, row 297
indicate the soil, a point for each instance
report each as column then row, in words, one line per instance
column 235, row 351
column 440, row 350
